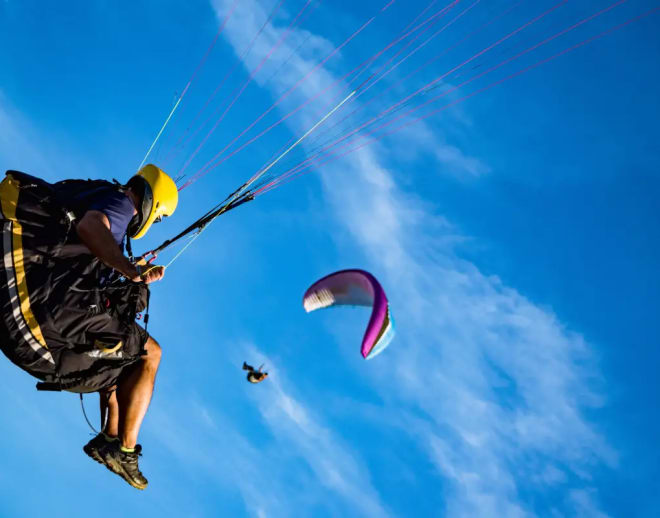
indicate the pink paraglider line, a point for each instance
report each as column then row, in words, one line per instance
column 318, row 158
column 219, row 159
column 245, row 84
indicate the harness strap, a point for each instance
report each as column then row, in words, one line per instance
column 48, row 386
column 129, row 248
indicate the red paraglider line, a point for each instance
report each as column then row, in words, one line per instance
column 435, row 81
column 190, row 81
column 365, row 68
column 520, row 54
column 427, row 87
column 210, row 116
column 277, row 123
column 185, row 138
column 244, row 86
column 203, row 172
column 393, row 85
column 385, row 8
column 286, row 177
column 206, row 168
column 405, row 29
column 420, row 46
column 208, row 51
column 292, row 53
column 334, row 83
column 428, row 27
column 456, row 44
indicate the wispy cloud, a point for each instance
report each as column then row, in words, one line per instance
column 296, row 470
column 24, row 146
column 17, row 139
column 498, row 385
column 336, row 465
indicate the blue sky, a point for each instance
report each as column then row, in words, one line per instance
column 516, row 235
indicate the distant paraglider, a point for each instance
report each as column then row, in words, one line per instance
column 355, row 288
column 254, row 375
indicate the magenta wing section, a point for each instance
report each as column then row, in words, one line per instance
column 355, row 288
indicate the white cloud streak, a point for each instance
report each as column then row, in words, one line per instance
column 283, row 477
column 25, row 147
column 16, row 140
column 500, row 384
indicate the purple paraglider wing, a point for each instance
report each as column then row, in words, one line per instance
column 355, row 288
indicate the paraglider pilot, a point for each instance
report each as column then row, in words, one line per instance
column 106, row 223
column 254, row 375
column 93, row 219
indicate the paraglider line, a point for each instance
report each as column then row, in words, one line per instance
column 374, row 98
column 243, row 194
column 209, row 166
column 161, row 131
column 190, row 242
column 435, row 81
column 405, row 29
column 289, row 177
column 309, row 132
column 245, row 84
column 200, row 64
column 206, row 168
column 416, row 49
column 185, row 138
column 431, row 86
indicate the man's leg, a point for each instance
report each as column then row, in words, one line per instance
column 109, row 412
column 109, row 425
column 134, row 394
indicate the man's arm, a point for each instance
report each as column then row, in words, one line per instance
column 94, row 231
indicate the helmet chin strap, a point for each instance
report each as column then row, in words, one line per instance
column 143, row 204
column 133, row 226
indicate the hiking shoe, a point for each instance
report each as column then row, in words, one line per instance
column 124, row 464
column 92, row 447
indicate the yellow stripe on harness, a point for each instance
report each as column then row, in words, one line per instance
column 9, row 189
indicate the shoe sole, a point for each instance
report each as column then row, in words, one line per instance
column 116, row 468
column 112, row 466
column 95, row 455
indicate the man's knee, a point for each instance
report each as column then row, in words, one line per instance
column 153, row 350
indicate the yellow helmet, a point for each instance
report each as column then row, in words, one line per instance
column 159, row 198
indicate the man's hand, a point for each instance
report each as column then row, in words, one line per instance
column 150, row 274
